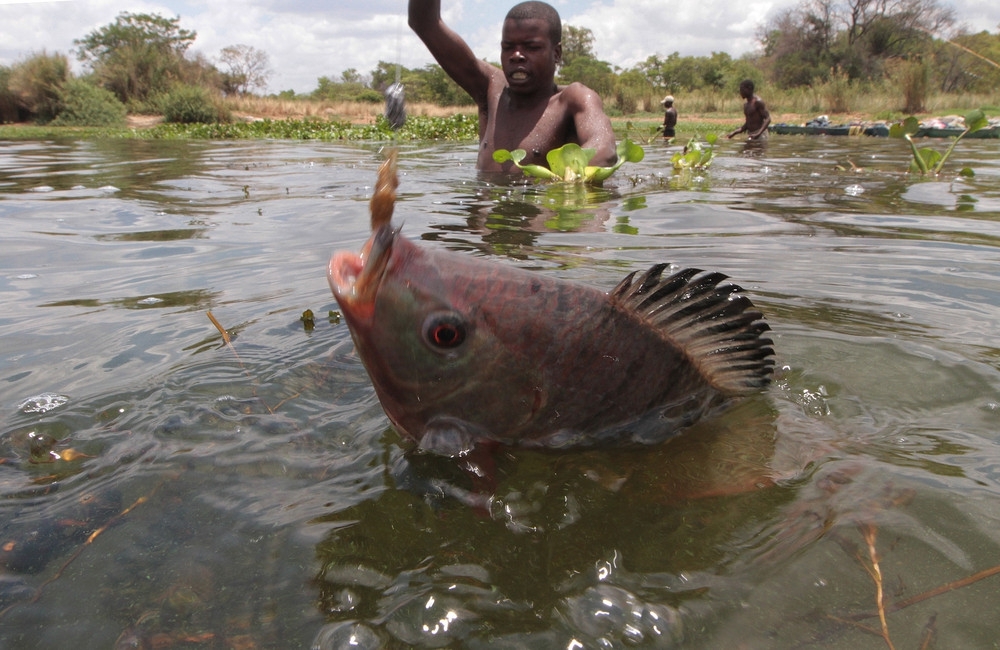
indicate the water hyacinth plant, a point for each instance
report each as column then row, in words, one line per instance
column 930, row 161
column 696, row 155
column 569, row 162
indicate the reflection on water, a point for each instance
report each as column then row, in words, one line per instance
column 159, row 488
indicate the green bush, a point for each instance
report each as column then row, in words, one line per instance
column 9, row 107
column 84, row 104
column 370, row 96
column 191, row 105
column 37, row 83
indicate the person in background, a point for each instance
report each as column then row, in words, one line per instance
column 755, row 112
column 669, row 117
column 520, row 105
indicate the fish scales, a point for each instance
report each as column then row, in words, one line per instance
column 461, row 349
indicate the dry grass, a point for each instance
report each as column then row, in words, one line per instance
column 353, row 112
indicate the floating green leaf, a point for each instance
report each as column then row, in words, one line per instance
column 909, row 126
column 569, row 162
column 975, row 120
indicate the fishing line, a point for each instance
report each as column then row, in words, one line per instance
column 395, row 101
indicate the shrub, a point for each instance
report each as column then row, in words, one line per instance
column 836, row 91
column 37, row 83
column 84, row 104
column 9, row 107
column 914, row 80
column 370, row 96
column 191, row 105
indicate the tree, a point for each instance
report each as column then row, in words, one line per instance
column 596, row 75
column 798, row 43
column 580, row 64
column 247, row 68
column 137, row 56
column 577, row 42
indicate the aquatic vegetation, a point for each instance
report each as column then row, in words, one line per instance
column 456, row 127
column 570, row 162
column 930, row 161
column 696, row 155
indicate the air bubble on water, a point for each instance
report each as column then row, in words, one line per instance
column 42, row 403
column 152, row 300
column 347, row 634
column 854, row 190
column 108, row 188
column 43, row 188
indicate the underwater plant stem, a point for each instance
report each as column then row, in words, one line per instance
column 937, row 170
column 916, row 155
column 950, row 586
column 869, row 533
column 79, row 551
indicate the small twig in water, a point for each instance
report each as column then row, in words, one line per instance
column 869, row 533
column 218, row 326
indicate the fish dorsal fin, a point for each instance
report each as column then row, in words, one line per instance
column 718, row 327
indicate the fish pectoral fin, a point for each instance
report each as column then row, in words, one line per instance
column 448, row 436
column 717, row 327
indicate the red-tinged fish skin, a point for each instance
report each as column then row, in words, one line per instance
column 534, row 360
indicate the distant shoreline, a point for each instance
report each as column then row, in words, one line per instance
column 359, row 126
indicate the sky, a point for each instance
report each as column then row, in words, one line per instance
column 308, row 39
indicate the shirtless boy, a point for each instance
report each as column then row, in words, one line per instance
column 520, row 105
column 755, row 112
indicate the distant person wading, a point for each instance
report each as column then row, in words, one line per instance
column 755, row 111
column 669, row 116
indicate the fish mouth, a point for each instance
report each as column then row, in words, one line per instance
column 355, row 278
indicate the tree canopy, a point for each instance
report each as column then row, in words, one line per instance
column 138, row 55
column 248, row 68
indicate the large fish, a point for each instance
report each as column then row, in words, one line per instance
column 462, row 350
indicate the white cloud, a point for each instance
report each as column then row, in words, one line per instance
column 307, row 39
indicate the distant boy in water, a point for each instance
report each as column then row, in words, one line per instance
column 755, row 112
column 520, row 105
column 669, row 116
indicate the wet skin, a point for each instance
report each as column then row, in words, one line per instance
column 520, row 106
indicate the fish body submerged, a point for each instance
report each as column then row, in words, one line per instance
column 462, row 350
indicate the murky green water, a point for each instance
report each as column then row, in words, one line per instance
column 159, row 489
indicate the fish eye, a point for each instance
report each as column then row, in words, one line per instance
column 444, row 331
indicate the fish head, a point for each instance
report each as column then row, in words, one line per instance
column 435, row 364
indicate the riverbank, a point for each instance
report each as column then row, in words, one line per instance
column 354, row 121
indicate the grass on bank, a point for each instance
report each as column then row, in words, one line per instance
column 700, row 112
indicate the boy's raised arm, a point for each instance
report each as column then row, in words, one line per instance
column 452, row 53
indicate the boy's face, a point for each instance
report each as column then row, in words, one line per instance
column 528, row 56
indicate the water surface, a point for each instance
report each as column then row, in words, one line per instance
column 159, row 488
